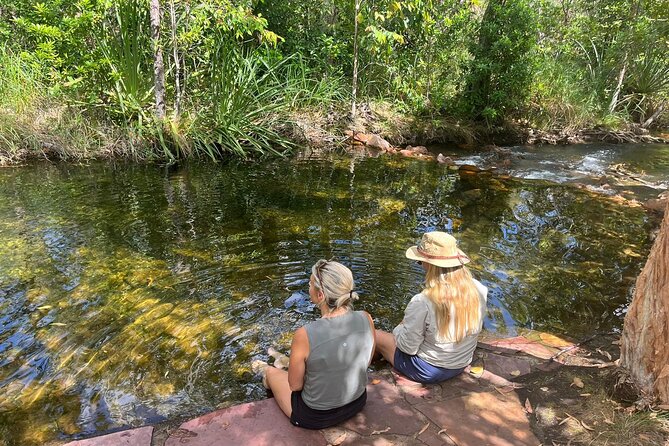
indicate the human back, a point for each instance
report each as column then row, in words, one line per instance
column 327, row 371
column 456, row 301
column 339, row 353
column 438, row 335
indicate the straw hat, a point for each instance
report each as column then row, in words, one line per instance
column 438, row 248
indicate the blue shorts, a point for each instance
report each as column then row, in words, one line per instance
column 420, row 371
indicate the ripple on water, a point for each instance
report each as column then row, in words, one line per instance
column 130, row 294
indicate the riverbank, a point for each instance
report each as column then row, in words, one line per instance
column 532, row 389
column 46, row 131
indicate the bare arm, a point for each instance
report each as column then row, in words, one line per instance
column 371, row 325
column 299, row 351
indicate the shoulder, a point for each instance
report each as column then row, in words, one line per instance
column 366, row 316
column 300, row 338
column 418, row 304
column 482, row 289
column 419, row 299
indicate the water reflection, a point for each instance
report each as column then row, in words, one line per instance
column 129, row 294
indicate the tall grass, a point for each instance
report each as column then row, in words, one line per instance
column 241, row 98
column 36, row 122
column 244, row 110
column 20, row 92
column 124, row 42
column 20, row 83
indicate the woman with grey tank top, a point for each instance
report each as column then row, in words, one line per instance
column 327, row 372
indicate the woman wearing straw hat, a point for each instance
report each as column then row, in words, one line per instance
column 437, row 338
column 327, row 372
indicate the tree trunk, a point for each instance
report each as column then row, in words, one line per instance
column 177, row 64
column 645, row 340
column 634, row 12
column 619, row 86
column 653, row 117
column 158, row 65
column 354, row 89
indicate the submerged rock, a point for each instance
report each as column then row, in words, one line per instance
column 417, row 149
column 469, row 168
column 441, row 159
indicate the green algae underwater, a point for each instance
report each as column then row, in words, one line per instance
column 131, row 293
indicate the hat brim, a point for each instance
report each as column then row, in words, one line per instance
column 413, row 254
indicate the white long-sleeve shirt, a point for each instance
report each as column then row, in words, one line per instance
column 418, row 334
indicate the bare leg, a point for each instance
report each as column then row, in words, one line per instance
column 385, row 344
column 277, row 380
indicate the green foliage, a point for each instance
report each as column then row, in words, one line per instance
column 20, row 82
column 244, row 104
column 126, row 47
column 503, row 65
column 571, row 63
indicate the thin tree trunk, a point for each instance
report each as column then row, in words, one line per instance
column 653, row 117
column 177, row 64
column 634, row 12
column 158, row 65
column 619, row 86
column 354, row 91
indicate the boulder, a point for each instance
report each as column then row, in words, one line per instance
column 441, row 159
column 418, row 149
column 377, row 142
column 469, row 168
column 656, row 204
column 357, row 136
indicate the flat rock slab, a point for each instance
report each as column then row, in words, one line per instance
column 386, row 412
column 482, row 419
column 505, row 366
column 133, row 437
column 254, row 424
column 520, row 344
column 464, row 383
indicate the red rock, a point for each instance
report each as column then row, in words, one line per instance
column 469, row 168
column 461, row 384
column 482, row 419
column 254, row 424
column 386, row 411
column 506, row 367
column 418, row 149
column 377, row 142
column 133, row 437
column 408, row 153
column 432, row 437
column 520, row 344
column 655, row 204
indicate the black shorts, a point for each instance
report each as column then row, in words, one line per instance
column 308, row 418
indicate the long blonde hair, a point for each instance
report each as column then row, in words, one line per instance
column 453, row 293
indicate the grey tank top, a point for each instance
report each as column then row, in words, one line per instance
column 336, row 368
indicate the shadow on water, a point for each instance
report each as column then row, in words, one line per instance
column 130, row 294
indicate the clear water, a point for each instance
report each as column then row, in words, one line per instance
column 130, row 294
column 646, row 165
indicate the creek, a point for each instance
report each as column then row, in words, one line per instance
column 131, row 294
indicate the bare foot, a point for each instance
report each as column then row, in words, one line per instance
column 281, row 361
column 260, row 368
